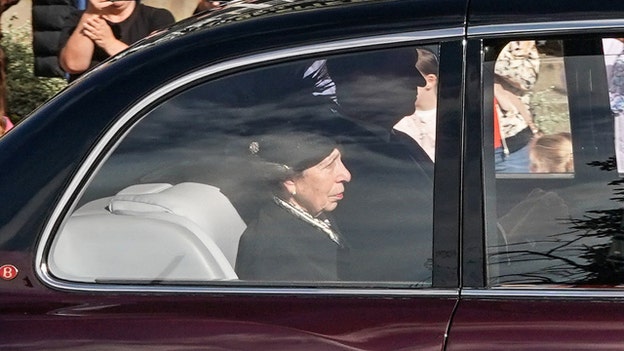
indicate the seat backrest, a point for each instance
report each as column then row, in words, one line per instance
column 150, row 232
column 202, row 204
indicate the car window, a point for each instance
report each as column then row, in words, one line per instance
column 552, row 170
column 317, row 170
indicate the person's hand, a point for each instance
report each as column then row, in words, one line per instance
column 509, row 101
column 96, row 29
column 206, row 4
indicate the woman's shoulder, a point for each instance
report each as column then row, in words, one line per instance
column 276, row 223
column 272, row 217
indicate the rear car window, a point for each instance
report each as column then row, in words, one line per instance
column 317, row 171
column 553, row 163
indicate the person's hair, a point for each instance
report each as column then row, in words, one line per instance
column 281, row 156
column 552, row 154
column 274, row 176
column 3, row 125
column 427, row 62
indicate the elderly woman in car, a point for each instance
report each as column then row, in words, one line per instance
column 294, row 237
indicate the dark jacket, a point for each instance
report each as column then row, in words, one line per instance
column 281, row 247
column 48, row 18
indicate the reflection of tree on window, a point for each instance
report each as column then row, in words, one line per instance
column 546, row 244
column 562, row 230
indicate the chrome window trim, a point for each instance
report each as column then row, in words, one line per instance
column 543, row 292
column 324, row 48
column 543, row 27
column 250, row 290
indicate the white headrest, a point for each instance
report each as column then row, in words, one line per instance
column 180, row 199
column 202, row 204
column 189, row 231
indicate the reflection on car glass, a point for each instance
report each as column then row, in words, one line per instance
column 370, row 222
column 552, row 229
column 613, row 49
column 531, row 118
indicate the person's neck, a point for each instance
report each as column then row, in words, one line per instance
column 294, row 203
column 426, row 103
column 120, row 15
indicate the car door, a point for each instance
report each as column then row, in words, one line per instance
column 141, row 249
column 542, row 270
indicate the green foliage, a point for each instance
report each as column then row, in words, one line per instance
column 550, row 111
column 25, row 92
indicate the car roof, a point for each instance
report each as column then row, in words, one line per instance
column 342, row 13
column 299, row 21
column 306, row 20
column 491, row 12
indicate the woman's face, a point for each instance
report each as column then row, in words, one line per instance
column 110, row 6
column 320, row 187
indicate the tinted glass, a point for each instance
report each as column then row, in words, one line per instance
column 310, row 171
column 557, row 217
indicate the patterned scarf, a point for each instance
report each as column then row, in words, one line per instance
column 322, row 225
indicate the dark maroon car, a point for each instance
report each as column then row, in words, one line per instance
column 476, row 202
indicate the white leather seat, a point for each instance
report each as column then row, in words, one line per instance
column 150, row 232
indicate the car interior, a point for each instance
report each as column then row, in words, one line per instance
column 150, row 232
column 557, row 228
column 185, row 168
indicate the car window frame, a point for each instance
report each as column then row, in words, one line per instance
column 474, row 260
column 124, row 124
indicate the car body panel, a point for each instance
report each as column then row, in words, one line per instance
column 530, row 323
column 492, row 12
column 59, row 138
column 221, row 322
column 526, row 317
column 47, row 159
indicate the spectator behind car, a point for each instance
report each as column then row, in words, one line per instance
column 552, row 154
column 104, row 29
column 516, row 71
column 48, row 20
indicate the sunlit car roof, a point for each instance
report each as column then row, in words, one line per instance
column 234, row 11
